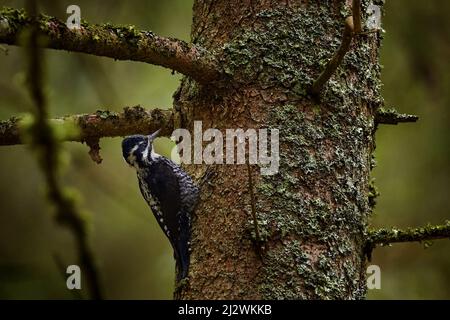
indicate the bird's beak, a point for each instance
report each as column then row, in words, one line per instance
column 154, row 135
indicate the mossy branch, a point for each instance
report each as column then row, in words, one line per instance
column 393, row 117
column 393, row 235
column 47, row 150
column 118, row 42
column 132, row 120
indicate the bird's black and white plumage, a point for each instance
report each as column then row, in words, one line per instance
column 169, row 191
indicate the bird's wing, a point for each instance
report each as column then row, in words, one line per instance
column 165, row 189
column 163, row 194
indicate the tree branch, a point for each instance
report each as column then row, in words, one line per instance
column 393, row 117
column 356, row 12
column 118, row 42
column 428, row 233
column 132, row 120
column 334, row 63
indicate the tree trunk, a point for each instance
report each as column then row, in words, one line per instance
column 312, row 216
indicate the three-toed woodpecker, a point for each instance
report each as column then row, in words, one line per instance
column 169, row 191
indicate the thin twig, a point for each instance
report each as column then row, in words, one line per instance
column 393, row 117
column 334, row 63
column 393, row 235
column 118, row 42
column 356, row 12
column 44, row 140
column 253, row 209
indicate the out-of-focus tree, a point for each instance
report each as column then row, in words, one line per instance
column 413, row 172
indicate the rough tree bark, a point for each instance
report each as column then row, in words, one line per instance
column 313, row 214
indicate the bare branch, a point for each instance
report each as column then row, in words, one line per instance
column 118, row 42
column 428, row 233
column 393, row 117
column 132, row 120
column 334, row 63
column 356, row 12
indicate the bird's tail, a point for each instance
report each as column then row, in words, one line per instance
column 182, row 261
column 182, row 251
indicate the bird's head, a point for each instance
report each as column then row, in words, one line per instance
column 137, row 149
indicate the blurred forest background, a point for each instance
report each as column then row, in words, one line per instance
column 413, row 172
